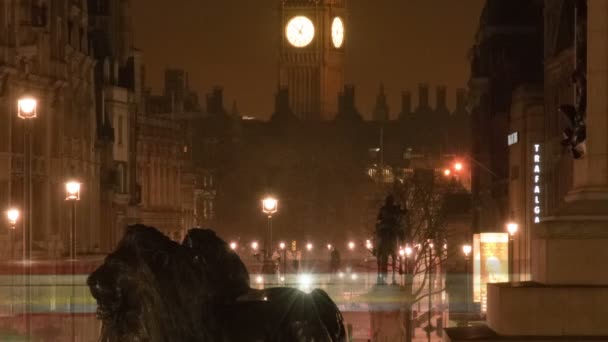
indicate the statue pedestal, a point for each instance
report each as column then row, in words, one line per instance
column 386, row 315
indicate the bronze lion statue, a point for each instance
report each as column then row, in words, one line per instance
column 148, row 290
column 154, row 289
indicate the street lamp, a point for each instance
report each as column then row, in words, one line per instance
column 27, row 109
column 447, row 172
column 368, row 244
column 351, row 245
column 458, row 166
column 466, row 249
column 283, row 246
column 270, row 206
column 309, row 246
column 12, row 215
column 233, row 245
column 512, row 228
column 329, row 246
column 254, row 245
column 72, row 194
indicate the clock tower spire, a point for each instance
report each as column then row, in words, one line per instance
column 311, row 57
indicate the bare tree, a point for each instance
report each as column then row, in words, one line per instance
column 423, row 194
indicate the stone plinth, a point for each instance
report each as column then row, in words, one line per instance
column 571, row 250
column 533, row 309
column 387, row 319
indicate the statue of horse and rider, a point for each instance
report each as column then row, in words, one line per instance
column 389, row 233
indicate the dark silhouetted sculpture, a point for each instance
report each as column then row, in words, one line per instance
column 575, row 135
column 388, row 235
column 153, row 289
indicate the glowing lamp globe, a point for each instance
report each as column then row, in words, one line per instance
column 12, row 215
column 270, row 205
column 512, row 228
column 72, row 191
column 26, row 107
column 466, row 249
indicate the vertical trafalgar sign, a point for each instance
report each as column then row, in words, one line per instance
column 536, row 191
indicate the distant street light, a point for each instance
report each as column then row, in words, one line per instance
column 351, row 245
column 458, row 166
column 282, row 246
column 512, row 228
column 447, row 172
column 254, row 245
column 309, row 246
column 329, row 246
column 270, row 206
column 12, row 215
column 466, row 249
column 233, row 245
column 72, row 194
column 368, row 244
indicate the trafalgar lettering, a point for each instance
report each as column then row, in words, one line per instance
column 536, row 192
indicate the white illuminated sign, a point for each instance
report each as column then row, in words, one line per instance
column 536, row 167
column 513, row 138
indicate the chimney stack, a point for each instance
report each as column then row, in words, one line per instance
column 406, row 102
column 423, row 96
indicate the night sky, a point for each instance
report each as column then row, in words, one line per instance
column 234, row 43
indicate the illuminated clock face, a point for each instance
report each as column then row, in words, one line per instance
column 337, row 32
column 300, row 31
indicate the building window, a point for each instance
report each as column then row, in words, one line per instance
column 39, row 14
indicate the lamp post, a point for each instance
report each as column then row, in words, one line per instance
column 512, row 228
column 12, row 215
column 466, row 249
column 270, row 206
column 72, row 195
column 408, row 253
column 27, row 110
column 284, row 256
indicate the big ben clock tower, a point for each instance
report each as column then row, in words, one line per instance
column 311, row 61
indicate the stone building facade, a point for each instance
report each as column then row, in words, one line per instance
column 46, row 54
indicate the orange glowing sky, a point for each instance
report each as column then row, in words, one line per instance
column 234, row 43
